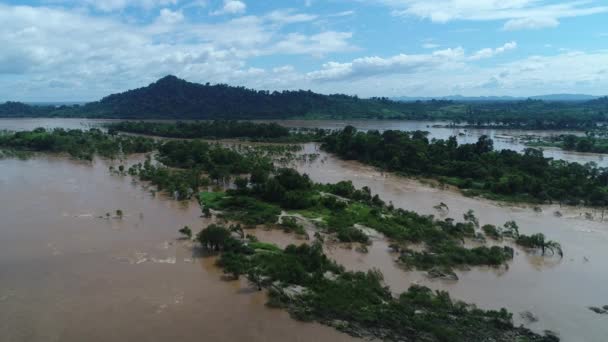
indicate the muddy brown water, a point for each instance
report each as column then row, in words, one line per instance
column 557, row 291
column 503, row 138
column 67, row 275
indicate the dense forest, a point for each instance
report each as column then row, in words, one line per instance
column 77, row 143
column 218, row 129
column 173, row 98
column 595, row 142
column 478, row 168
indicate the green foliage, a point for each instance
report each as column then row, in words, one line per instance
column 268, row 132
column 77, row 143
column 476, row 168
column 492, row 231
column 451, row 255
column 214, row 237
column 538, row 241
column 245, row 209
column 173, row 98
column 290, row 225
column 359, row 303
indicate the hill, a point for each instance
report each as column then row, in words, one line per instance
column 177, row 99
column 174, row 98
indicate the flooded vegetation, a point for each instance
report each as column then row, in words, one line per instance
column 113, row 232
column 548, row 286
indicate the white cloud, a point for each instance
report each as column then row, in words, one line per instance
column 530, row 23
column 430, row 45
column 399, row 64
column 519, row 14
column 231, row 7
column 489, row 52
column 343, row 14
column 168, row 16
column 317, row 45
column 289, row 17
column 91, row 55
column 114, row 5
column 403, row 64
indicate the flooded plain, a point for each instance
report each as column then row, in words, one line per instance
column 556, row 291
column 69, row 273
column 503, row 138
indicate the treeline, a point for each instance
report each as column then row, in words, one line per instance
column 173, row 98
column 77, row 143
column 217, row 129
column 533, row 114
column 595, row 142
column 478, row 168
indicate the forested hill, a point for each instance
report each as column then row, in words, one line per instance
column 174, row 98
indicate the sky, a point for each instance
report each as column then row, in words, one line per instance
column 67, row 50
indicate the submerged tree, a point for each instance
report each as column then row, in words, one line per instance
column 539, row 241
column 187, row 232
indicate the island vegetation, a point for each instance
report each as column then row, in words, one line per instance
column 303, row 280
column 345, row 213
column 592, row 141
column 264, row 132
column 77, row 143
column 476, row 168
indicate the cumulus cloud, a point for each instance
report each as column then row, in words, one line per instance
column 403, row 63
column 231, row 7
column 44, row 45
column 519, row 14
column 399, row 64
column 489, row 52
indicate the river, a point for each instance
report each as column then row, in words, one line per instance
column 67, row 275
column 503, row 138
column 557, row 291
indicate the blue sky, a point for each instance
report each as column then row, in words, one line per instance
column 67, row 50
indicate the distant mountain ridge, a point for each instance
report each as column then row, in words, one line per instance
column 176, row 99
column 460, row 98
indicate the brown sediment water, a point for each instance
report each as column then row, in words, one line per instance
column 65, row 274
column 557, row 291
column 68, row 275
column 503, row 138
